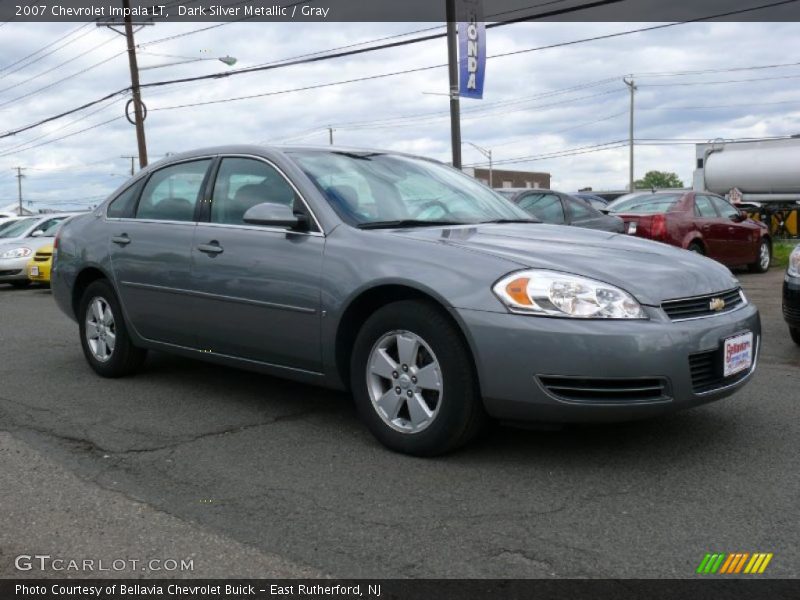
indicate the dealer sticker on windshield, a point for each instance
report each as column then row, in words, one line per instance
column 738, row 353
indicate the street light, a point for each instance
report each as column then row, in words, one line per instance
column 487, row 154
column 228, row 60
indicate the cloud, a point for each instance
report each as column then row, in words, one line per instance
column 519, row 116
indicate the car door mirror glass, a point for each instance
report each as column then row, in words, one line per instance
column 737, row 217
column 271, row 214
column 37, row 233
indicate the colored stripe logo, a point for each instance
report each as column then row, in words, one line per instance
column 734, row 563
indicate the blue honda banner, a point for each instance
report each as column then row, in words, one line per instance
column 471, row 49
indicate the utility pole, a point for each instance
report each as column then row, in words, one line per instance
column 632, row 86
column 455, row 106
column 330, row 135
column 137, row 96
column 132, row 166
column 138, row 106
column 19, row 187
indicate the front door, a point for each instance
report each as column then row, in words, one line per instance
column 150, row 250
column 258, row 287
column 741, row 234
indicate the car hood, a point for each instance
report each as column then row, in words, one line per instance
column 651, row 271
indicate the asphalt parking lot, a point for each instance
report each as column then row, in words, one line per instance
column 254, row 476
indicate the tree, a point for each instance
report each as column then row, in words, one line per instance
column 659, row 179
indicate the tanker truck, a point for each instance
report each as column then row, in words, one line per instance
column 763, row 177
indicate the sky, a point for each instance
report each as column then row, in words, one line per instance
column 562, row 100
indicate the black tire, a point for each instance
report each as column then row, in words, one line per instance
column 125, row 358
column 795, row 333
column 697, row 247
column 460, row 413
column 757, row 267
column 20, row 284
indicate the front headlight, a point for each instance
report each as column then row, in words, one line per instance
column 554, row 294
column 16, row 253
column 794, row 262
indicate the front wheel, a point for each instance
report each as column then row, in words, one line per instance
column 106, row 343
column 764, row 258
column 795, row 333
column 414, row 380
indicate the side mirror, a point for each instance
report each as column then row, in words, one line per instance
column 272, row 214
column 738, row 217
column 37, row 233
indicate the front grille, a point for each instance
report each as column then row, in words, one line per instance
column 42, row 257
column 791, row 313
column 700, row 306
column 9, row 273
column 706, row 370
column 606, row 390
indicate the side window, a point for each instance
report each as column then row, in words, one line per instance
column 171, row 193
column 725, row 209
column 580, row 210
column 703, row 207
column 545, row 207
column 244, row 182
column 124, row 204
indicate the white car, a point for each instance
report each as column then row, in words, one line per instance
column 20, row 238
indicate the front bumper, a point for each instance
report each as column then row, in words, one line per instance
column 43, row 268
column 791, row 301
column 13, row 269
column 517, row 356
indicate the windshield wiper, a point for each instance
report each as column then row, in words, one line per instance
column 512, row 221
column 406, row 223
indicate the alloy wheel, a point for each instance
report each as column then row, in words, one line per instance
column 101, row 332
column 404, row 380
column 763, row 256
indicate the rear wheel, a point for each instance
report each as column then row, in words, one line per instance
column 764, row 258
column 795, row 333
column 697, row 248
column 414, row 380
column 106, row 343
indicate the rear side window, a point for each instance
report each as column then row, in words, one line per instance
column 124, row 205
column 172, row 193
column 704, row 208
column 545, row 207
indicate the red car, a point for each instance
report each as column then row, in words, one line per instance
column 700, row 222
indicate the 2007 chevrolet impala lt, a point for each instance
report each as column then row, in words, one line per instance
column 436, row 301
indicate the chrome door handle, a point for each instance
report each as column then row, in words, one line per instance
column 122, row 240
column 212, row 248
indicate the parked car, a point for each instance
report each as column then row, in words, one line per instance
column 700, row 222
column 20, row 241
column 558, row 208
column 595, row 201
column 430, row 297
column 39, row 266
column 791, row 295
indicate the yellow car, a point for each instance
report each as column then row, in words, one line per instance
column 39, row 266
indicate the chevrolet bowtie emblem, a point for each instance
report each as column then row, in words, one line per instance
column 716, row 304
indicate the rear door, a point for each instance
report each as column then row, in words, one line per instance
column 150, row 245
column 258, row 287
column 711, row 228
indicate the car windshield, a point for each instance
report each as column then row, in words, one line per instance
column 371, row 189
column 648, row 204
column 51, row 231
column 14, row 229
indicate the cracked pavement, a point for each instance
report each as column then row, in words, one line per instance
column 260, row 477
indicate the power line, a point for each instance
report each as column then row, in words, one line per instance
column 5, row 72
